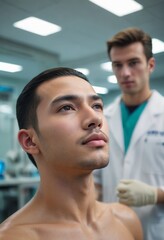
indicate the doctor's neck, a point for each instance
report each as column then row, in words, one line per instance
column 135, row 99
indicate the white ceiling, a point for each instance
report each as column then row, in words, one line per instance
column 81, row 43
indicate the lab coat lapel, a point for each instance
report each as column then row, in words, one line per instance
column 147, row 118
column 145, row 121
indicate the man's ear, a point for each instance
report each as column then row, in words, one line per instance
column 27, row 141
column 151, row 64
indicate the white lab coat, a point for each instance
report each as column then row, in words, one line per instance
column 144, row 160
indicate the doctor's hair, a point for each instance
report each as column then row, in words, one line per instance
column 128, row 36
column 28, row 100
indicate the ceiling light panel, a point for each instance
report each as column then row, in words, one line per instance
column 85, row 71
column 158, row 46
column 100, row 90
column 118, row 7
column 112, row 79
column 107, row 66
column 37, row 26
column 8, row 67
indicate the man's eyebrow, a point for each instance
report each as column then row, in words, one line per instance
column 95, row 97
column 130, row 59
column 115, row 62
column 73, row 98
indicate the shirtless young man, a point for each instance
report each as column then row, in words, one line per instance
column 65, row 134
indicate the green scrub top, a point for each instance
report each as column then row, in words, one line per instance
column 129, row 120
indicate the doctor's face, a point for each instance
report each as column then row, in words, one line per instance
column 131, row 68
column 73, row 132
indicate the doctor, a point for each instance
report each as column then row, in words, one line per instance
column 135, row 175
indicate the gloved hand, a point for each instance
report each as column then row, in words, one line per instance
column 135, row 193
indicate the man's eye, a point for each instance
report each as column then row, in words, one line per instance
column 133, row 63
column 117, row 65
column 66, row 108
column 98, row 106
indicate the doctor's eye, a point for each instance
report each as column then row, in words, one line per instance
column 117, row 65
column 133, row 63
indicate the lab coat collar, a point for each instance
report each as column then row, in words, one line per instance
column 156, row 103
column 148, row 118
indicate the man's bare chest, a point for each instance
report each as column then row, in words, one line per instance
column 81, row 233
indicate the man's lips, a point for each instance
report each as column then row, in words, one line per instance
column 95, row 139
column 127, row 82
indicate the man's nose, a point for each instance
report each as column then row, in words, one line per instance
column 94, row 125
column 125, row 71
column 92, row 119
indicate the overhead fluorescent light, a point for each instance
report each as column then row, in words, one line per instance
column 37, row 26
column 107, row 66
column 117, row 7
column 112, row 79
column 100, row 90
column 158, row 46
column 85, row 71
column 4, row 108
column 8, row 67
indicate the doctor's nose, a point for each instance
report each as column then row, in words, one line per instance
column 125, row 71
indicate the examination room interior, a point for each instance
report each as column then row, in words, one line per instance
column 82, row 29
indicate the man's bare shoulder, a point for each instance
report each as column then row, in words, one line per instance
column 114, row 220
column 129, row 218
column 17, row 226
column 11, row 231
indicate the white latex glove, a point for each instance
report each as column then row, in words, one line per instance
column 135, row 193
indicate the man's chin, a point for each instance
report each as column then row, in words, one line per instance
column 102, row 164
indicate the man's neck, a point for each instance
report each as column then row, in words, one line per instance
column 72, row 199
column 136, row 99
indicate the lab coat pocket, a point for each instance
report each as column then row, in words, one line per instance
column 153, row 153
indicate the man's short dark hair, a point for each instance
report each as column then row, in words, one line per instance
column 28, row 100
column 129, row 36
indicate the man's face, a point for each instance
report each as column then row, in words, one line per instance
column 131, row 68
column 72, row 128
